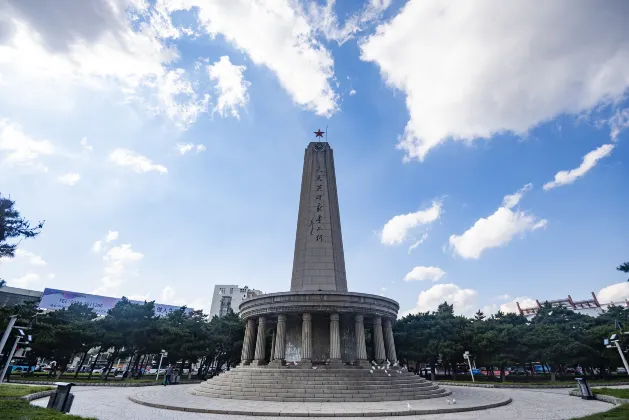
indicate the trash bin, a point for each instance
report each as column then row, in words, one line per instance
column 62, row 399
column 584, row 389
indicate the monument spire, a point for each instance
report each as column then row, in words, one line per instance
column 318, row 262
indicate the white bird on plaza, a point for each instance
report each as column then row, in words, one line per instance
column 389, row 374
column 371, row 371
column 314, row 367
column 453, row 400
column 409, row 405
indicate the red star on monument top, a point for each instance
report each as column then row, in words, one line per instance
column 319, row 133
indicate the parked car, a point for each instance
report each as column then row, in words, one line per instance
column 98, row 371
column 621, row 370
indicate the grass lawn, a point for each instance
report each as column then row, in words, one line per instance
column 618, row 393
column 21, row 410
column 621, row 412
column 21, row 390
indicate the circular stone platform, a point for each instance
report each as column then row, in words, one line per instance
column 319, row 301
column 179, row 399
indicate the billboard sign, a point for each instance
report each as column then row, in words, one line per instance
column 53, row 299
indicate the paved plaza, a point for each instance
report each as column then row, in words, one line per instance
column 548, row 404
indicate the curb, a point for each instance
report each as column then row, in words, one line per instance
column 523, row 386
column 321, row 414
column 604, row 398
column 107, row 384
column 31, row 397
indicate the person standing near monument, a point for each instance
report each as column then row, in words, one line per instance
column 169, row 374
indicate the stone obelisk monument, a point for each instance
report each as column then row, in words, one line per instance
column 319, row 263
column 319, row 342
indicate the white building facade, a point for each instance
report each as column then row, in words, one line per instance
column 229, row 296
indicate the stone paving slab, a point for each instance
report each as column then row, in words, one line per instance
column 181, row 399
column 112, row 404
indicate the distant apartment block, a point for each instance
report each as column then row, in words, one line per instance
column 229, row 296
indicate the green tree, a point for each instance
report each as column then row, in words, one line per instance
column 624, row 267
column 13, row 226
column 59, row 335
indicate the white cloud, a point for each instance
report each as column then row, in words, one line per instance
column 496, row 230
column 184, row 148
column 19, row 148
column 136, row 162
column 117, row 261
column 512, row 200
column 85, row 144
column 396, row 230
column 97, row 246
column 618, row 123
column 25, row 281
column 120, row 44
column 276, row 35
column 352, row 92
column 616, row 293
column 464, row 300
column 472, row 70
column 421, row 273
column 168, row 293
column 112, row 235
column 325, row 20
column 418, row 243
column 512, row 306
column 51, row 276
column 71, row 178
column 589, row 161
column 169, row 296
column 230, row 85
column 32, row 258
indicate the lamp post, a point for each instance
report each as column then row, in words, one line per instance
column 7, row 331
column 17, row 340
column 163, row 353
column 616, row 343
column 466, row 356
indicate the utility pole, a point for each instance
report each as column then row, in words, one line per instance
column 5, row 336
column 6, row 365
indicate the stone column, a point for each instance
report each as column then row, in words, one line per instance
column 335, row 340
column 306, row 341
column 247, row 347
column 361, row 345
column 272, row 356
column 280, row 341
column 378, row 341
column 260, row 343
column 388, row 339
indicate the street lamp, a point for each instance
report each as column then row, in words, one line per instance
column 466, row 356
column 615, row 342
column 164, row 353
column 19, row 337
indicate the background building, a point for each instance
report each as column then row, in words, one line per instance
column 588, row 306
column 11, row 296
column 229, row 296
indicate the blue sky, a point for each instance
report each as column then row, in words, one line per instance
column 163, row 145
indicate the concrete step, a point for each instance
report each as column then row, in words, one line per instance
column 428, row 390
column 358, row 386
column 324, row 383
column 326, row 397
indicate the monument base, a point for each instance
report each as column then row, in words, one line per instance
column 362, row 363
column 305, row 364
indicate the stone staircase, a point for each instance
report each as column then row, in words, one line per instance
column 324, row 384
